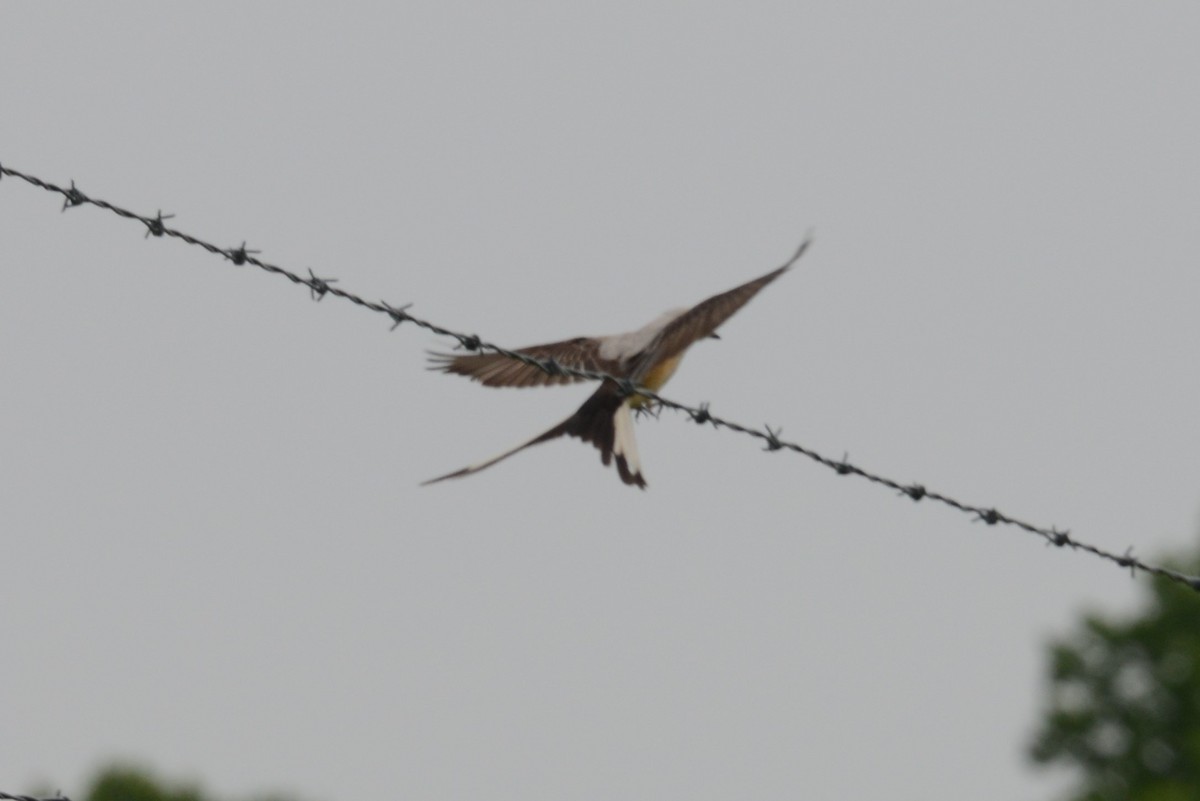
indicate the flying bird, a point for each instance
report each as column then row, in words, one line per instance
column 646, row 357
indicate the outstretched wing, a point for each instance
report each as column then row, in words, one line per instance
column 703, row 319
column 495, row 370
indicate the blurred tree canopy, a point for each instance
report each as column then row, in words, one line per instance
column 1123, row 701
column 128, row 783
column 123, row 783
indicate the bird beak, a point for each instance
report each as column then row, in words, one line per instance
column 714, row 335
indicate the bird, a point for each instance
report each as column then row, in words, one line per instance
column 646, row 358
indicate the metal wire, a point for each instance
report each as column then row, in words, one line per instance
column 320, row 287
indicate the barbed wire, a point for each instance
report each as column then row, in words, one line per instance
column 701, row 414
column 6, row 797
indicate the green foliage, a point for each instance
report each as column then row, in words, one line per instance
column 127, row 783
column 1123, row 704
column 124, row 783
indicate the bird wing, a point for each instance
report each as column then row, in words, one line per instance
column 497, row 370
column 703, row 319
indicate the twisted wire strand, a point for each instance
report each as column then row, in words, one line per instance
column 701, row 414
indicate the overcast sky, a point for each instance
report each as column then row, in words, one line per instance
column 217, row 557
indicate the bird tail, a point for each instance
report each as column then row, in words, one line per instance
column 604, row 420
column 553, row 433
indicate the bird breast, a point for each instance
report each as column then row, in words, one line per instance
column 656, row 377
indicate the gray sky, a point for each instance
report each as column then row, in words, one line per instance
column 218, row 559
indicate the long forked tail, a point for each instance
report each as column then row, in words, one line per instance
column 604, row 420
column 553, row 433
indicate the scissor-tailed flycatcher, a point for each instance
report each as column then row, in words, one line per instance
column 646, row 357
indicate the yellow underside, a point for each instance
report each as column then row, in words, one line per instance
column 654, row 379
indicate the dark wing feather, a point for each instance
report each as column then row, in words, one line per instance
column 495, row 370
column 703, row 319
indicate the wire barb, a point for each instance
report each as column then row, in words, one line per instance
column 989, row 516
column 318, row 286
column 774, row 443
column 155, row 226
column 470, row 342
column 399, row 315
column 1128, row 561
column 240, row 255
column 699, row 414
column 72, row 197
